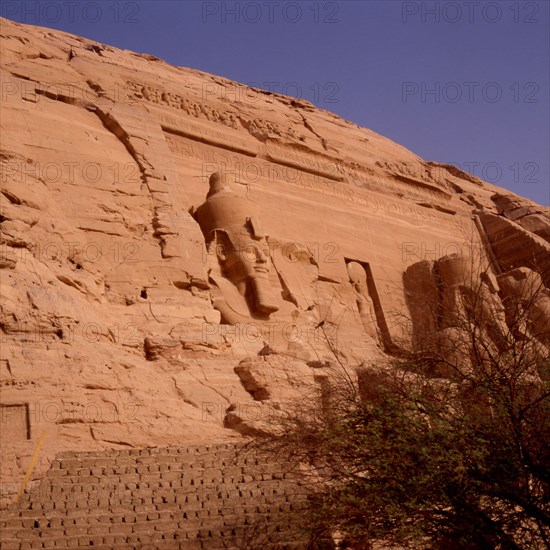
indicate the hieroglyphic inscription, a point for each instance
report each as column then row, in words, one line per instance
column 355, row 173
column 258, row 171
column 412, row 171
column 246, row 170
column 330, row 168
column 176, row 101
column 285, row 164
column 257, row 127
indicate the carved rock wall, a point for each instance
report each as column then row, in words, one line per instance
column 112, row 312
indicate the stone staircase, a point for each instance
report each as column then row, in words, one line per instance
column 202, row 497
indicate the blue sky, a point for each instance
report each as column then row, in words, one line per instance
column 465, row 82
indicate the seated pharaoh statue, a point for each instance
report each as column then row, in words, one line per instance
column 467, row 300
column 527, row 302
column 241, row 273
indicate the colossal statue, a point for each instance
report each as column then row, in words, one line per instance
column 232, row 231
column 527, row 300
column 448, row 299
column 466, row 298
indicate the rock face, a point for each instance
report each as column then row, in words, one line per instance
column 181, row 253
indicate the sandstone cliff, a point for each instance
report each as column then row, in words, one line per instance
column 129, row 317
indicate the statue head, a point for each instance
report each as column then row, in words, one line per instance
column 454, row 270
column 231, row 227
column 521, row 283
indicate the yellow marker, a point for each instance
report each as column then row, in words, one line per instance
column 31, row 466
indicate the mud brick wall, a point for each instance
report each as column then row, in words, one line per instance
column 205, row 497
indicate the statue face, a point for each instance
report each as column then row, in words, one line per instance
column 455, row 270
column 244, row 258
column 522, row 283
